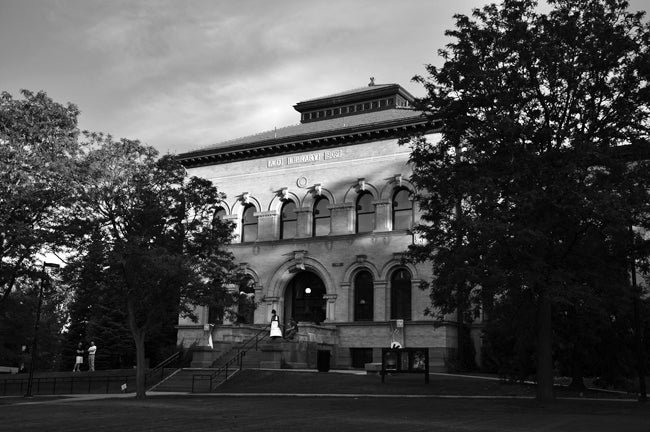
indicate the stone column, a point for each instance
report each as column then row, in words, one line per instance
column 305, row 222
column 382, row 301
column 259, row 315
column 345, row 301
column 267, row 225
column 330, row 313
column 342, row 218
column 383, row 219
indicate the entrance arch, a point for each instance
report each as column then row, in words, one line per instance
column 303, row 298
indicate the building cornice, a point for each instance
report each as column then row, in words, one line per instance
column 317, row 140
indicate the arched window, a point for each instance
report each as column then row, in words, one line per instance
column 249, row 224
column 365, row 213
column 219, row 213
column 402, row 210
column 363, row 296
column 321, row 219
column 215, row 313
column 288, row 220
column 400, row 295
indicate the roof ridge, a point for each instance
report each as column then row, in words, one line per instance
column 357, row 89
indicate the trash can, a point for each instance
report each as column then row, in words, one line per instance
column 323, row 361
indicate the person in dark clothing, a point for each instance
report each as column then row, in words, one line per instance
column 292, row 330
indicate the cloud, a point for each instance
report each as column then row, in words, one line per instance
column 180, row 75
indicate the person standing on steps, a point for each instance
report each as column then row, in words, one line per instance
column 276, row 332
column 291, row 332
column 91, row 356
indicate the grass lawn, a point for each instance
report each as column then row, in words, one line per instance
column 266, row 381
column 403, row 403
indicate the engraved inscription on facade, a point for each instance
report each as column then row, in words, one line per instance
column 304, row 159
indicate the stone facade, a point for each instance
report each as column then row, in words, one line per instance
column 340, row 168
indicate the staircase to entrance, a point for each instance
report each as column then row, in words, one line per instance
column 257, row 352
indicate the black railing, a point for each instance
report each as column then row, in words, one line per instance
column 69, row 384
column 157, row 374
column 235, row 363
column 95, row 382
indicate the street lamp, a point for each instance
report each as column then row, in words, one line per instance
column 36, row 325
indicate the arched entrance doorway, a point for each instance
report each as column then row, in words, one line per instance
column 303, row 298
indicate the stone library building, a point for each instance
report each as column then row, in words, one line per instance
column 322, row 212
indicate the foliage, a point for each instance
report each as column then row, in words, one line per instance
column 527, row 196
column 96, row 312
column 17, row 326
column 165, row 251
column 38, row 146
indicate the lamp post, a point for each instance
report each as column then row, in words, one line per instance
column 36, row 325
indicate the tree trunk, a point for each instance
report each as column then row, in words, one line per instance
column 138, row 337
column 544, row 348
column 141, row 367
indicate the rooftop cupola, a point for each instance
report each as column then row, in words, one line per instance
column 373, row 97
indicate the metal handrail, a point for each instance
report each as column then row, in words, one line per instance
column 256, row 338
column 238, row 358
column 161, row 366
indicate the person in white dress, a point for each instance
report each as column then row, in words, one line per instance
column 276, row 332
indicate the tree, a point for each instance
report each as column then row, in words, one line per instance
column 165, row 250
column 38, row 146
column 96, row 312
column 528, row 176
column 17, row 324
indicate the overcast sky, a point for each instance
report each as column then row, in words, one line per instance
column 180, row 75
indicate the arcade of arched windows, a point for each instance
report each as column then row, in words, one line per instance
column 398, row 281
column 365, row 209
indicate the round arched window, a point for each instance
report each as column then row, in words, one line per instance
column 288, row 220
column 364, row 297
column 400, row 294
column 402, row 210
column 249, row 224
column 365, row 213
column 321, row 219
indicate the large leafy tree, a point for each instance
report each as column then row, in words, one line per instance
column 528, row 195
column 165, row 250
column 38, row 150
column 38, row 146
